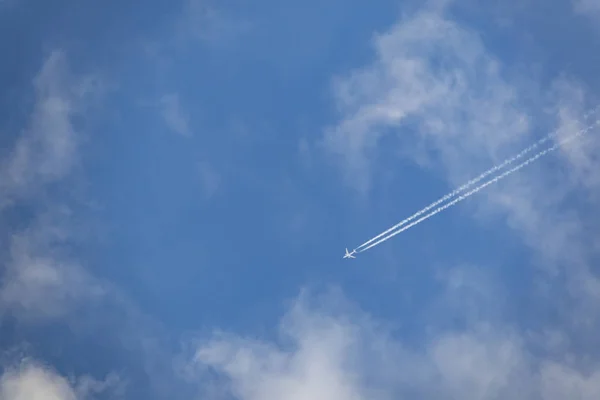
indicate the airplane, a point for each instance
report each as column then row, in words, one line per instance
column 349, row 255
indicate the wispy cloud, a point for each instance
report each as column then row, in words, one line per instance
column 44, row 281
column 41, row 283
column 207, row 22
column 432, row 73
column 46, row 151
column 587, row 7
column 174, row 116
column 38, row 281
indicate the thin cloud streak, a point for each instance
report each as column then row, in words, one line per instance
column 479, row 188
column 472, row 182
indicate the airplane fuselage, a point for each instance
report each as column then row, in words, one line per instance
column 349, row 255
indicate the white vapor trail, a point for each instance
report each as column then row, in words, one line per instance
column 472, row 182
column 482, row 186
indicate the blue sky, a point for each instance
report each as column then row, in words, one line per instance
column 179, row 181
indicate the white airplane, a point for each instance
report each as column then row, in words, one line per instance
column 349, row 255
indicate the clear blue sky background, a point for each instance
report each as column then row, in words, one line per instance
column 179, row 181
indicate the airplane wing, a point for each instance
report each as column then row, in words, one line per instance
column 349, row 255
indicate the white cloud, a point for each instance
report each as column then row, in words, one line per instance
column 34, row 381
column 173, row 115
column 319, row 358
column 322, row 354
column 479, row 366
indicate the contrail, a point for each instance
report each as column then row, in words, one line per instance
column 482, row 186
column 474, row 181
